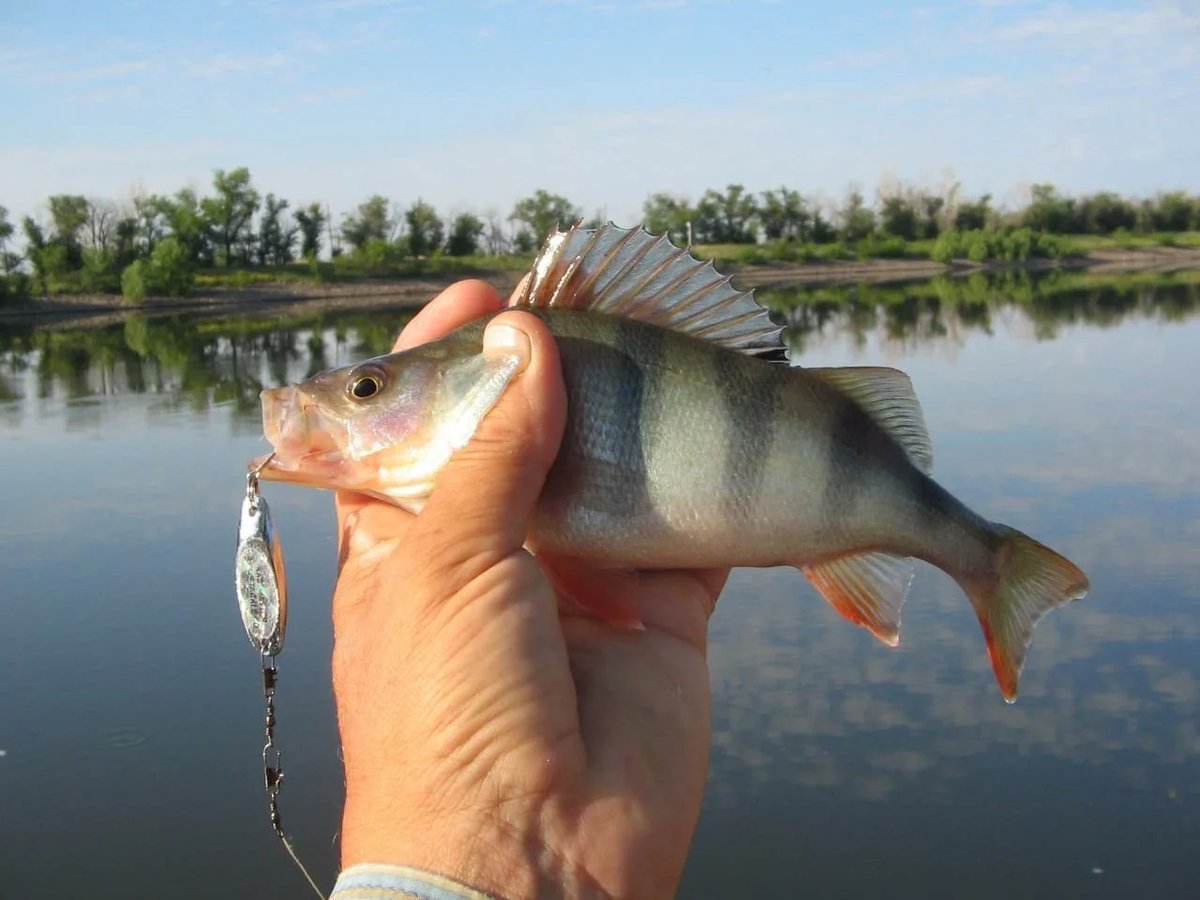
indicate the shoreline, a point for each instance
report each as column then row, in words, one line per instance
column 295, row 297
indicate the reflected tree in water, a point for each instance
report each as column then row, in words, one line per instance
column 198, row 363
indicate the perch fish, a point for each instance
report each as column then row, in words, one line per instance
column 684, row 446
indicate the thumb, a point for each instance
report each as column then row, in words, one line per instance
column 483, row 499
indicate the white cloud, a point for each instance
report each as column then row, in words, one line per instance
column 223, row 65
column 1102, row 28
column 318, row 98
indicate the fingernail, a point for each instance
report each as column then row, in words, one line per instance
column 501, row 337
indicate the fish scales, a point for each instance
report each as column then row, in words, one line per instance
column 681, row 449
column 640, row 403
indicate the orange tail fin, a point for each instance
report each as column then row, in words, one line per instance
column 1031, row 579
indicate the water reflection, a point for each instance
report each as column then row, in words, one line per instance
column 200, row 362
column 947, row 309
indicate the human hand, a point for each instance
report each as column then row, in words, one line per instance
column 486, row 736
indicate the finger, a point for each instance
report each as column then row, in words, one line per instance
column 462, row 302
column 366, row 522
column 482, row 502
column 681, row 602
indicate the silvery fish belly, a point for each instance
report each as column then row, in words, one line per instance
column 684, row 446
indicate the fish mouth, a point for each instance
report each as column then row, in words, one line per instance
column 316, row 468
column 307, row 443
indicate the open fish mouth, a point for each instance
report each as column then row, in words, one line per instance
column 308, row 445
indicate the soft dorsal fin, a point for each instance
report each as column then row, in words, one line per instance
column 887, row 396
column 869, row 589
column 629, row 272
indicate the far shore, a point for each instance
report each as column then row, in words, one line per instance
column 288, row 298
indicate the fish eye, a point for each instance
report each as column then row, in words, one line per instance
column 365, row 386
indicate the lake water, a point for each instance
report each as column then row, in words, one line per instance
column 130, row 700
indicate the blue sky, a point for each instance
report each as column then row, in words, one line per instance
column 472, row 105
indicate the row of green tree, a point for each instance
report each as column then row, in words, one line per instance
column 736, row 216
column 156, row 244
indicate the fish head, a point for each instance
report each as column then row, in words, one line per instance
column 384, row 426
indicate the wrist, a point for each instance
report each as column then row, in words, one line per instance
column 502, row 853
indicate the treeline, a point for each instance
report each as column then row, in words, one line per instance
column 736, row 216
column 158, row 243
column 959, row 227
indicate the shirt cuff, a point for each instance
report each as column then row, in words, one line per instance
column 374, row 881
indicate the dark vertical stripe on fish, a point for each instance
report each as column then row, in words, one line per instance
column 630, row 377
column 600, row 469
column 750, row 403
column 852, row 440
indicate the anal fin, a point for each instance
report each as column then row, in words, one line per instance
column 869, row 589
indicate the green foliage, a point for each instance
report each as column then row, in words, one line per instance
column 15, row 286
column 541, row 214
column 728, row 218
column 135, row 281
column 898, row 218
column 974, row 216
column 465, row 232
column 84, row 242
column 310, row 219
column 524, row 241
column 168, row 272
column 376, row 257
column 171, row 269
column 8, row 259
column 784, row 215
column 1052, row 212
column 856, row 220
column 911, row 214
column 99, row 273
column 664, row 213
column 372, row 221
column 186, row 221
column 889, row 247
column 150, row 222
column 1006, row 245
column 276, row 235
column 228, row 215
column 1173, row 211
column 69, row 213
column 425, row 229
column 1105, row 213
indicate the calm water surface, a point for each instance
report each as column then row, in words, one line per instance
column 130, row 705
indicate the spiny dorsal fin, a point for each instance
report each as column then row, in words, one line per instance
column 887, row 396
column 629, row 272
column 869, row 589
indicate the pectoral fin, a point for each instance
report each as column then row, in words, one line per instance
column 869, row 589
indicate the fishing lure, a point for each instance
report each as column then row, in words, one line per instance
column 259, row 577
column 260, row 583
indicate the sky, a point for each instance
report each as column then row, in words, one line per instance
column 473, row 105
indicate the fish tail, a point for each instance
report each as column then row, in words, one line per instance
column 1029, row 579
